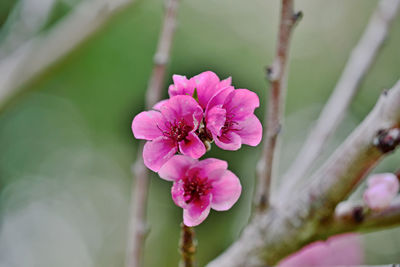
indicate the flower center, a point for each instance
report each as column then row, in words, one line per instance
column 195, row 188
column 177, row 130
column 229, row 123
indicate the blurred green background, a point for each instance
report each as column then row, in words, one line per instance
column 66, row 146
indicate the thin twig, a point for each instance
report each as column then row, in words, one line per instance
column 277, row 75
column 357, row 218
column 187, row 245
column 37, row 54
column 162, row 55
column 297, row 220
column 360, row 61
column 137, row 224
column 23, row 23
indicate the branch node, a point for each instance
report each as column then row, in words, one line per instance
column 385, row 92
column 358, row 214
column 262, row 203
column 278, row 129
column 297, row 17
column 268, row 72
column 143, row 229
column 387, row 140
column 274, row 72
column 160, row 59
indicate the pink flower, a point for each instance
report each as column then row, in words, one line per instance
column 382, row 188
column 230, row 118
column 200, row 185
column 339, row 250
column 206, row 84
column 169, row 130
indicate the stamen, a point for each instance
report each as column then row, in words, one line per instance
column 229, row 123
column 195, row 188
column 177, row 130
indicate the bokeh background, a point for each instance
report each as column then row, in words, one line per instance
column 66, row 146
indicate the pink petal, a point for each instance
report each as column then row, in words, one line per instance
column 228, row 141
column 206, row 84
column 241, row 103
column 192, row 146
column 177, row 192
column 340, row 250
column 226, row 189
column 215, row 120
column 158, row 152
column 196, row 212
column 147, row 125
column 159, row 104
column 205, row 167
column 345, row 249
column 218, row 99
column 183, row 107
column 250, row 131
column 175, row 168
column 225, row 83
column 181, row 86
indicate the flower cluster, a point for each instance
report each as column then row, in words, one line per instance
column 199, row 111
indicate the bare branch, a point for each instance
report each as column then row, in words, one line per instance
column 361, row 151
column 137, row 225
column 33, row 57
column 25, row 20
column 355, row 217
column 161, row 57
column 297, row 220
column 277, row 75
column 360, row 61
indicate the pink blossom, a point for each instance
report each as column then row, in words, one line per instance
column 230, row 118
column 169, row 130
column 382, row 188
column 206, row 84
column 339, row 250
column 200, row 185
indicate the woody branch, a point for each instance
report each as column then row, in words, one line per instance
column 137, row 225
column 298, row 220
column 361, row 59
column 277, row 75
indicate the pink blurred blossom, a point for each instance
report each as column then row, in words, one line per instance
column 200, row 185
column 339, row 250
column 230, row 118
column 206, row 84
column 169, row 130
column 382, row 188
